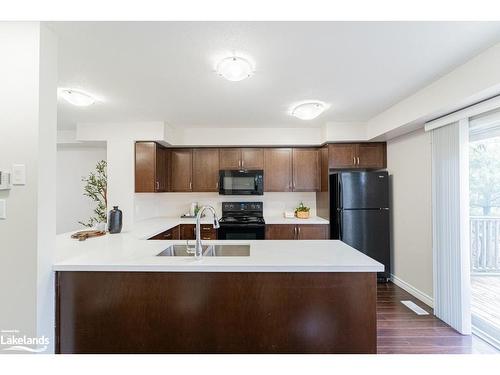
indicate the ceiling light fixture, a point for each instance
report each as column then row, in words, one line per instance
column 308, row 110
column 234, row 68
column 76, row 97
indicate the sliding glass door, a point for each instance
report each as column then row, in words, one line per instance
column 484, row 186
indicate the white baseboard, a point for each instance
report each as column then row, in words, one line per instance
column 428, row 300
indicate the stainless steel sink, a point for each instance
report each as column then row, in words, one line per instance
column 208, row 251
column 228, row 251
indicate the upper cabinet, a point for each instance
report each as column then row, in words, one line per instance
column 278, row 169
column 160, row 169
column 306, row 169
column 291, row 169
column 206, row 169
column 357, row 155
column 151, row 167
column 241, row 158
column 181, row 169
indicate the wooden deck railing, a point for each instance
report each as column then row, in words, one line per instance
column 485, row 244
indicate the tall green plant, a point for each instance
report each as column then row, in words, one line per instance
column 96, row 189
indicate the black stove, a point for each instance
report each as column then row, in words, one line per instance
column 242, row 221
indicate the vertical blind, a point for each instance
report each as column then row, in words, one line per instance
column 450, row 225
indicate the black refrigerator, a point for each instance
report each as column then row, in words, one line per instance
column 359, row 214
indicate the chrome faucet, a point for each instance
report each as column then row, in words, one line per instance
column 198, row 251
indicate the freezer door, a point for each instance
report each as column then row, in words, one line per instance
column 368, row 232
column 364, row 190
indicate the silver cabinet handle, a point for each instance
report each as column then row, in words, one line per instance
column 242, row 162
column 190, row 185
column 354, row 160
column 358, row 160
column 239, row 163
column 290, row 185
column 157, row 185
column 298, row 232
column 217, row 185
column 294, row 233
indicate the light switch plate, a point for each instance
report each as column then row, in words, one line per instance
column 3, row 209
column 18, row 174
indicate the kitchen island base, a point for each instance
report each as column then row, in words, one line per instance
column 215, row 312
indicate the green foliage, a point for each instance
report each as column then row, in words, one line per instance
column 484, row 177
column 96, row 189
column 302, row 208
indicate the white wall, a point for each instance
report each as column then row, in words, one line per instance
column 409, row 163
column 28, row 76
column 149, row 205
column 75, row 161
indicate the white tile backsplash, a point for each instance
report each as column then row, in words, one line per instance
column 149, row 205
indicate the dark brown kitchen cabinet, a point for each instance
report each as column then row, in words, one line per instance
column 170, row 234
column 205, row 169
column 342, row 155
column 278, row 169
column 230, row 158
column 324, row 173
column 312, row 231
column 252, row 158
column 188, row 232
column 296, row 231
column 280, row 232
column 306, row 170
column 151, row 167
column 372, row 155
column 242, row 158
column 357, row 155
column 181, row 169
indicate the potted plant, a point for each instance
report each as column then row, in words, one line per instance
column 95, row 188
column 302, row 212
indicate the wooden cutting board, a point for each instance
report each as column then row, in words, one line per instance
column 84, row 234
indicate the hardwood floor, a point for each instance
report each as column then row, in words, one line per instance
column 401, row 331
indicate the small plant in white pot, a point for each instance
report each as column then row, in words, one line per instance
column 96, row 189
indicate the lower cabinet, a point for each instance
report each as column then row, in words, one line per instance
column 296, row 232
column 171, row 234
column 188, row 232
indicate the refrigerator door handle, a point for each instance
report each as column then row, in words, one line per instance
column 339, row 213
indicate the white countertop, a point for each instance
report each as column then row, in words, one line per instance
column 130, row 251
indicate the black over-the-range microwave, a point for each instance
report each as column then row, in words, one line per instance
column 241, row 182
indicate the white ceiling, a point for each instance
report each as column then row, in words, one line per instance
column 164, row 71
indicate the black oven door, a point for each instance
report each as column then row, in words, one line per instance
column 233, row 182
column 241, row 232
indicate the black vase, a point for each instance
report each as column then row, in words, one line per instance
column 115, row 220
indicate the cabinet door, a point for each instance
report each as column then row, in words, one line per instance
column 312, row 232
column 162, row 169
column 278, row 169
column 187, row 232
column 281, row 232
column 342, row 155
column 230, row 158
column 305, row 169
column 206, row 169
column 252, row 158
column 372, row 155
column 145, row 156
column 324, row 174
column 182, row 164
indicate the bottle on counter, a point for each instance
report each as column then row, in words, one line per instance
column 115, row 220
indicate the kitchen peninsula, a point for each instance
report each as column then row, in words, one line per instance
column 115, row 295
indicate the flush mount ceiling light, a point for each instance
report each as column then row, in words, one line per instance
column 76, row 97
column 234, row 68
column 309, row 110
